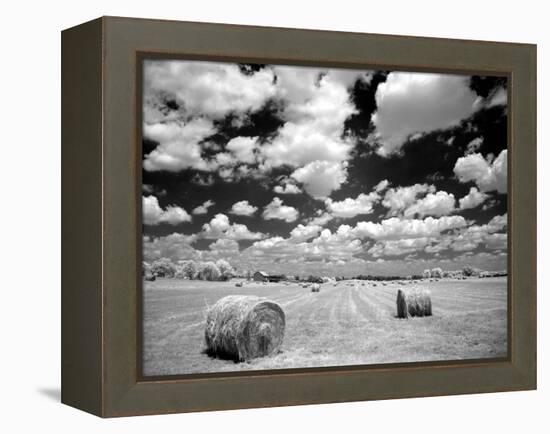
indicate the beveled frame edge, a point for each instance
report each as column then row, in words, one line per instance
column 123, row 395
column 81, row 215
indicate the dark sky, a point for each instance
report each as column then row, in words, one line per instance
column 324, row 171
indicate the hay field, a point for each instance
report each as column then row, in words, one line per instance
column 349, row 324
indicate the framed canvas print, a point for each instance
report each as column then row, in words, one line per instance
column 260, row 216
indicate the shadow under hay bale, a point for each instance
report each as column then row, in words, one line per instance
column 241, row 328
column 413, row 302
column 315, row 287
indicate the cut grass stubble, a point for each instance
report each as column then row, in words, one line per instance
column 349, row 324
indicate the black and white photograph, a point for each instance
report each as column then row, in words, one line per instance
column 315, row 217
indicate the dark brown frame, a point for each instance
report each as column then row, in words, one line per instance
column 101, row 228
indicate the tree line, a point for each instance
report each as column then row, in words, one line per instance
column 222, row 270
column 190, row 269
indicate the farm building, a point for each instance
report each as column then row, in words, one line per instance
column 262, row 276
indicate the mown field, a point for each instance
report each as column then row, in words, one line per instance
column 348, row 324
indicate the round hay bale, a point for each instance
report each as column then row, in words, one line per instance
column 239, row 284
column 150, row 277
column 413, row 302
column 243, row 327
column 315, row 287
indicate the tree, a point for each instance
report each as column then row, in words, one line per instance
column 468, row 271
column 225, row 269
column 209, row 271
column 146, row 268
column 314, row 279
column 163, row 267
column 189, row 269
column 426, row 274
column 437, row 273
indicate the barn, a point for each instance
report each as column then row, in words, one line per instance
column 276, row 277
column 262, row 276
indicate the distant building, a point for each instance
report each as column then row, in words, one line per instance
column 262, row 276
column 276, row 277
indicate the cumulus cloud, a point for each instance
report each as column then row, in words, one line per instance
column 321, row 178
column 398, row 236
column 398, row 247
column 334, row 245
column 489, row 176
column 381, row 186
column 243, row 208
column 500, row 97
column 203, row 209
column 183, row 99
column 210, row 89
column 471, row 237
column 414, row 103
column 277, row 210
column 320, row 218
column 496, row 241
column 399, row 198
column 315, row 105
column 498, row 223
column 392, row 237
column 153, row 214
column 298, row 144
column 475, row 235
column 152, row 190
column 243, row 148
column 324, row 249
column 327, row 246
column 349, row 207
column 224, row 246
column 304, row 232
column 395, row 228
column 435, row 204
column 174, row 246
column 221, row 227
column 179, row 145
column 287, row 189
column 473, row 199
column 474, row 145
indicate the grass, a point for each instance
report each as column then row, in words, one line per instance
column 342, row 325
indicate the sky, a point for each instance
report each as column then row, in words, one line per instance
column 324, row 171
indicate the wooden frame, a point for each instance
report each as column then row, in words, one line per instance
column 101, row 228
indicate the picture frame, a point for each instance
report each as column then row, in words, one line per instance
column 101, row 217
